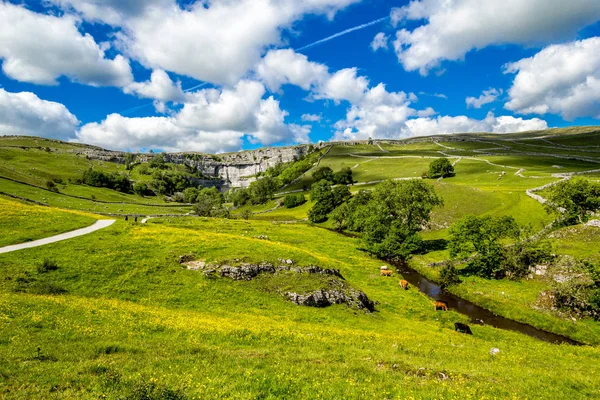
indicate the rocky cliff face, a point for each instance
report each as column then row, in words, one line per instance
column 227, row 170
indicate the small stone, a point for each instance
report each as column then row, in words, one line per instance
column 494, row 351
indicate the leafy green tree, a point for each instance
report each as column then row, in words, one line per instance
column 440, row 167
column 339, row 216
column 575, row 199
column 449, row 276
column 263, row 189
column 209, row 202
column 322, row 195
column 340, row 193
column 190, row 195
column 294, row 200
column 238, row 196
column 323, row 173
column 393, row 216
column 343, row 176
column 483, row 235
column 141, row 189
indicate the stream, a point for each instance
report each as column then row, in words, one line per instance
column 477, row 314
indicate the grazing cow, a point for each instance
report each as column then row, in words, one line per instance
column 386, row 272
column 440, row 305
column 462, row 328
column 404, row 284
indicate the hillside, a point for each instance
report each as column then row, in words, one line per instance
column 156, row 309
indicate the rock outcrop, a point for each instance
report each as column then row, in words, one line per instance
column 323, row 298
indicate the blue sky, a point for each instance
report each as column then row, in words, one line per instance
column 113, row 72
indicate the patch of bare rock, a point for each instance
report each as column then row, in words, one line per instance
column 337, row 292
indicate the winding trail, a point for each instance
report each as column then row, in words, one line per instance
column 100, row 224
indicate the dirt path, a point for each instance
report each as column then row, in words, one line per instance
column 100, row 224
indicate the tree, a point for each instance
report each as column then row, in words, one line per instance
column 140, row 189
column 343, row 176
column 482, row 235
column 449, row 276
column 339, row 216
column 440, row 167
column 51, row 186
column 578, row 198
column 237, row 196
column 321, row 173
column 209, row 202
column 322, row 195
column 262, row 190
column 190, row 194
column 294, row 200
column 340, row 195
column 393, row 215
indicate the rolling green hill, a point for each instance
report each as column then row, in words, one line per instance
column 126, row 314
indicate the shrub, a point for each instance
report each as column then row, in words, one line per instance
column 440, row 167
column 294, row 200
column 449, row 276
column 321, row 173
column 246, row 214
column 46, row 266
column 575, row 200
column 141, row 189
column 51, row 186
column 343, row 176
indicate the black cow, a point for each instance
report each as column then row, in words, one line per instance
column 463, row 328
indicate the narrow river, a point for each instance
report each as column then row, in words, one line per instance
column 473, row 311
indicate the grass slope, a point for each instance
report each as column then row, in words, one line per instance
column 131, row 315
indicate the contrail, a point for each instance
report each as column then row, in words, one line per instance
column 356, row 28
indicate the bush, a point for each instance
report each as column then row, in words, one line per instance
column 46, row 266
column 262, row 190
column 343, row 176
column 440, row 168
column 141, row 189
column 294, row 200
column 113, row 181
column 449, row 276
column 51, row 186
column 246, row 214
column 323, row 173
column 574, row 200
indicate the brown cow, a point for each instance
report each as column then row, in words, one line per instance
column 386, row 272
column 440, row 305
column 404, row 284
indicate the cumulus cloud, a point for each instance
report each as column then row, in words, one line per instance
column 217, row 41
column 211, row 120
column 455, row 27
column 160, row 87
column 312, row 117
column 113, row 12
column 343, row 85
column 380, row 41
column 488, row 96
column 448, row 125
column 561, row 79
column 280, row 67
column 26, row 114
column 40, row 48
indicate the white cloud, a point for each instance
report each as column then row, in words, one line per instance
column 280, row 67
column 455, row 27
column 301, row 133
column 312, row 117
column 380, row 41
column 26, row 114
column 448, row 125
column 40, row 48
column 211, row 120
column 160, row 87
column 113, row 12
column 561, row 79
column 343, row 85
column 488, row 96
column 216, row 41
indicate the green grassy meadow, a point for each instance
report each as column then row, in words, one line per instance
column 120, row 316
